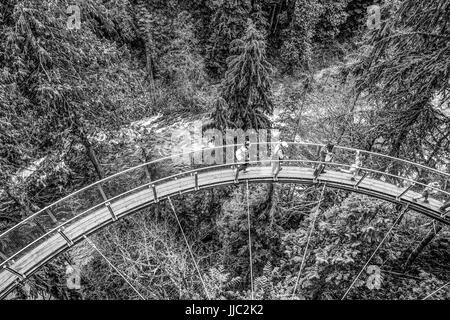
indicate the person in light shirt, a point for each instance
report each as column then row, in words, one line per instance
column 354, row 168
column 242, row 155
column 325, row 155
column 278, row 155
column 430, row 189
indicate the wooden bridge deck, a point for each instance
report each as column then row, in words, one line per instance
column 54, row 244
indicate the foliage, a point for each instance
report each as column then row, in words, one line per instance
column 405, row 66
column 296, row 52
column 227, row 24
column 75, row 107
column 247, row 83
column 232, row 227
column 160, row 269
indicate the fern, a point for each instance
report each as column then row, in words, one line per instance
column 232, row 283
column 267, row 270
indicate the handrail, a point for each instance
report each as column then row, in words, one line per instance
column 397, row 159
column 29, row 218
column 193, row 171
column 188, row 153
column 192, row 151
column 107, row 179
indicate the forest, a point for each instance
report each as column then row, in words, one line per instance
column 90, row 88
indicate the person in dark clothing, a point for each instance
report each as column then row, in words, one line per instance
column 242, row 155
column 322, row 156
column 354, row 168
column 325, row 155
column 430, row 189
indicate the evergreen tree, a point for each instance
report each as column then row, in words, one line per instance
column 58, row 88
column 220, row 115
column 405, row 67
column 182, row 66
column 144, row 22
column 227, row 25
column 333, row 15
column 181, row 61
column 296, row 52
column 247, row 83
column 259, row 16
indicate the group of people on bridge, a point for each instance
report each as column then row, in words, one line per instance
column 325, row 156
column 243, row 157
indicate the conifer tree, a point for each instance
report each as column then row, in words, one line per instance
column 296, row 51
column 227, row 25
column 247, row 83
column 182, row 64
column 259, row 16
column 145, row 30
column 405, row 65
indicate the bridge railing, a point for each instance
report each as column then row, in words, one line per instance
column 45, row 223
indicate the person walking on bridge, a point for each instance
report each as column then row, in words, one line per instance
column 354, row 168
column 430, row 189
column 242, row 155
column 278, row 155
column 325, row 155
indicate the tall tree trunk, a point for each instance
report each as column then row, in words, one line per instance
column 345, row 127
column 143, row 19
column 402, row 135
column 437, row 148
column 299, row 115
column 93, row 158
column 419, row 249
column 268, row 206
column 147, row 168
column 79, row 131
column 290, row 11
column 299, row 122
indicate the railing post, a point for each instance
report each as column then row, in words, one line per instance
column 196, row 181
column 360, row 180
column 147, row 173
column 107, row 204
column 404, row 191
column 65, row 237
column 14, row 272
column 155, row 195
column 114, row 216
column 176, row 179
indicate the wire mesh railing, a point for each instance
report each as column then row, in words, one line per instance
column 35, row 229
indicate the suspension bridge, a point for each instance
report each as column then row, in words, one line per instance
column 40, row 237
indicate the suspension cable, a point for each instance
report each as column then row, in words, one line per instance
column 434, row 292
column 316, row 213
column 114, row 267
column 250, row 243
column 189, row 248
column 376, row 250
